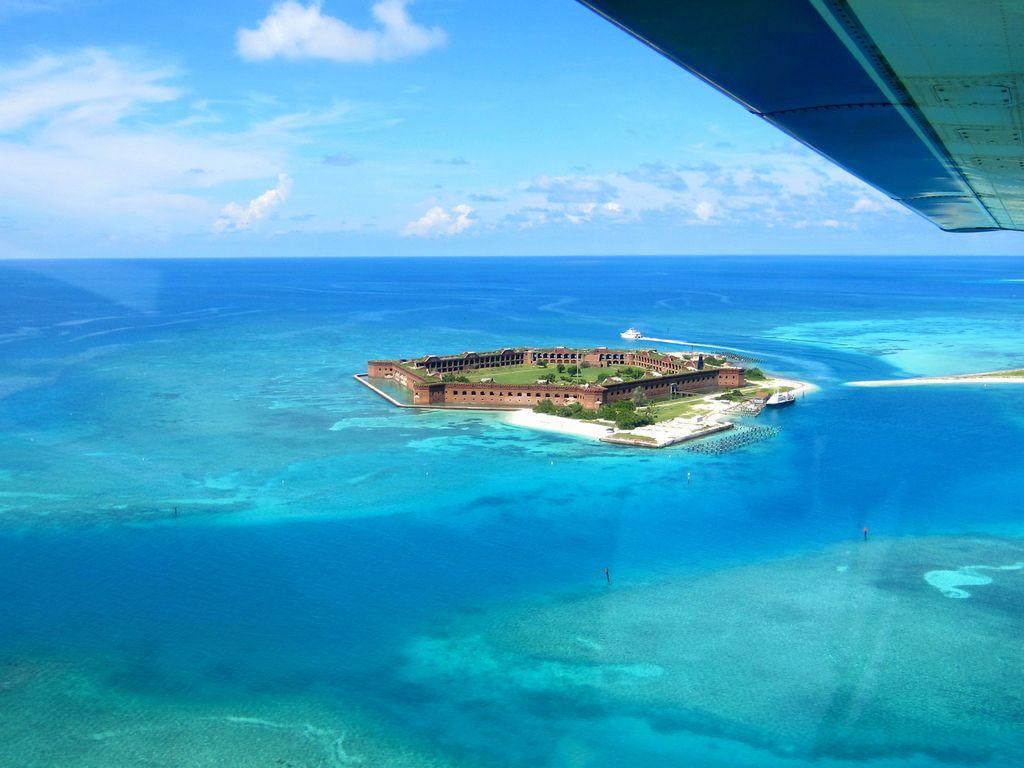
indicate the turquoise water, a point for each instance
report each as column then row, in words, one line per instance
column 345, row 581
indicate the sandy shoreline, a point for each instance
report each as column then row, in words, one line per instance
column 549, row 423
column 652, row 436
column 798, row 387
column 715, row 417
column 929, row 380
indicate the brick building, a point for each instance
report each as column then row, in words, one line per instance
column 669, row 375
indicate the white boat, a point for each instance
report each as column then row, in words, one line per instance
column 631, row 333
column 779, row 399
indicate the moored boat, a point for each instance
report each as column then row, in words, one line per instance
column 779, row 399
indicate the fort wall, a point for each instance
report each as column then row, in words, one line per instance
column 521, row 395
column 392, row 369
column 430, row 392
column 664, row 386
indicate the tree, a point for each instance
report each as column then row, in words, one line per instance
column 611, row 411
column 635, row 418
column 572, row 370
column 630, row 372
column 545, row 406
column 575, row 410
column 561, row 368
column 627, row 420
column 542, row 363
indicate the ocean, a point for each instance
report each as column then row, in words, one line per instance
column 217, row 548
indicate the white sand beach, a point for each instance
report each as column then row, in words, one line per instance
column 713, row 416
column 666, row 433
column 929, row 380
column 798, row 387
column 527, row 418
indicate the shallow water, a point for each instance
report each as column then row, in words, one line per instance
column 837, row 656
column 333, row 557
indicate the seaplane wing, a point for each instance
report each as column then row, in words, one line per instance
column 920, row 98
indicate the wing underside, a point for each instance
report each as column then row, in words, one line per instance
column 920, row 98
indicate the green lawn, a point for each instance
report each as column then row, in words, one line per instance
column 528, row 374
column 670, row 409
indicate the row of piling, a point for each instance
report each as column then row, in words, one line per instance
column 737, row 438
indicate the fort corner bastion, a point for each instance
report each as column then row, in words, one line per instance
column 523, row 377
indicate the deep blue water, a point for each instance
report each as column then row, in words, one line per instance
column 321, row 532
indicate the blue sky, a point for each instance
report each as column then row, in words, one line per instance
column 440, row 127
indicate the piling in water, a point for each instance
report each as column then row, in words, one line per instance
column 737, row 438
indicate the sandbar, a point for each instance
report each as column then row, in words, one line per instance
column 1010, row 377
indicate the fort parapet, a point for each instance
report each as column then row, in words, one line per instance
column 664, row 376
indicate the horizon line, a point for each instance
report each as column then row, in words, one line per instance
column 425, row 257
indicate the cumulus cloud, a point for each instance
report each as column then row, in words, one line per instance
column 234, row 217
column 866, row 205
column 295, row 31
column 438, row 222
column 573, row 189
column 776, row 188
column 704, row 210
column 660, row 174
column 784, row 188
column 583, row 212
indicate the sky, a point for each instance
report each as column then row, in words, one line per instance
column 391, row 127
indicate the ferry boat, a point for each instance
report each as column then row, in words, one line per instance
column 779, row 399
column 631, row 333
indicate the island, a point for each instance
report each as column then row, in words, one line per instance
column 637, row 397
column 1011, row 376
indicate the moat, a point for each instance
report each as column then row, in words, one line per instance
column 641, row 397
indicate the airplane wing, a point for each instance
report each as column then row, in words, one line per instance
column 920, row 98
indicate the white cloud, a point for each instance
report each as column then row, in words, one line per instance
column 11, row 8
column 95, row 140
column 437, row 222
column 572, row 189
column 90, row 87
column 704, row 210
column 584, row 212
column 782, row 187
column 296, row 31
column 866, row 205
column 234, row 217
